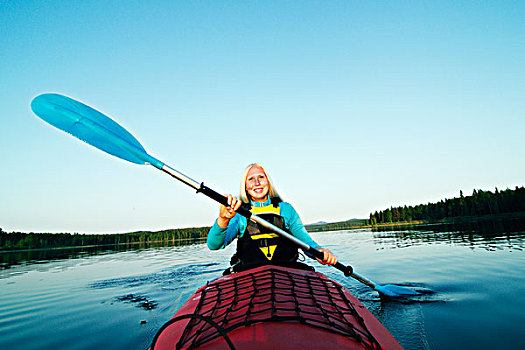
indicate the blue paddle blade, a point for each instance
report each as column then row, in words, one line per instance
column 92, row 127
column 392, row 290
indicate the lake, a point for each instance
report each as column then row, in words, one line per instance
column 473, row 275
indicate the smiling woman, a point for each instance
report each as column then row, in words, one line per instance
column 256, row 244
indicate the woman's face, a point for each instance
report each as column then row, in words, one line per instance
column 257, row 184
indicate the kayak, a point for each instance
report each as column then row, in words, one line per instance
column 273, row 307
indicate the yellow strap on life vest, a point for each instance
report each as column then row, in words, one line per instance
column 267, row 209
column 264, row 235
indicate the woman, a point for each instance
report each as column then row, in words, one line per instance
column 255, row 243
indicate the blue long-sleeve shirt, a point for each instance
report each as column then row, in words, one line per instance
column 219, row 238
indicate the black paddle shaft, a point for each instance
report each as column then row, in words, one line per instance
column 222, row 200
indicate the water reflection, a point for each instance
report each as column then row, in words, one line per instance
column 486, row 233
column 41, row 256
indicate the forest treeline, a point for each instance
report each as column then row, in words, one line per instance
column 480, row 203
column 19, row 240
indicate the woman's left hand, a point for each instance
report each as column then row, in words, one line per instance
column 329, row 258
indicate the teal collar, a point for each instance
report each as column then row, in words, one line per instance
column 261, row 204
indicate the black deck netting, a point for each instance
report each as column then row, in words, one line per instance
column 275, row 295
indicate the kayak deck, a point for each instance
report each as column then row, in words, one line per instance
column 273, row 307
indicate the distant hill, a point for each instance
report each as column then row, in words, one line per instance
column 333, row 226
column 318, row 223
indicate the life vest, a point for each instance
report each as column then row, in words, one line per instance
column 260, row 245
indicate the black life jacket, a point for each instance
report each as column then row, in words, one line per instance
column 260, row 245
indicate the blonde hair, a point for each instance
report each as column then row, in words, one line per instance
column 243, row 195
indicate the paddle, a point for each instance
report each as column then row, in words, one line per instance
column 98, row 130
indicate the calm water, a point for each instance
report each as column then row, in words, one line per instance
column 474, row 275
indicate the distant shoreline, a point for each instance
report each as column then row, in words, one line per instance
column 450, row 220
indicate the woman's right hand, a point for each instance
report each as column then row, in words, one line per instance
column 228, row 212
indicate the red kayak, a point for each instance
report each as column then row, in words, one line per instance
column 273, row 307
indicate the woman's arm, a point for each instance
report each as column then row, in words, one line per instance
column 296, row 227
column 226, row 227
column 215, row 239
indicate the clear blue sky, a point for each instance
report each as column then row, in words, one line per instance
column 352, row 106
